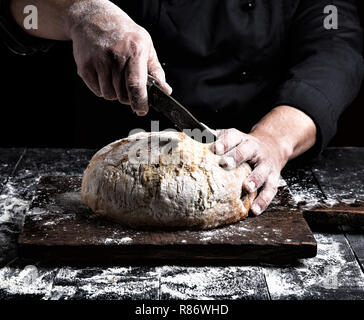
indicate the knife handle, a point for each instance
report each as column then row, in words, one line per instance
column 152, row 89
column 152, row 86
column 151, row 81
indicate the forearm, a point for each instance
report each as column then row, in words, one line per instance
column 284, row 133
column 292, row 131
column 52, row 17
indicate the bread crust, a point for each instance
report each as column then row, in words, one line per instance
column 164, row 180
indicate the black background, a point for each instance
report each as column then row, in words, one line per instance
column 45, row 104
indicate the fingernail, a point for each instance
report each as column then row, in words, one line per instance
column 169, row 88
column 250, row 186
column 219, row 148
column 228, row 163
column 141, row 113
column 256, row 209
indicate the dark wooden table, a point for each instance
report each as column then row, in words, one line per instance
column 337, row 272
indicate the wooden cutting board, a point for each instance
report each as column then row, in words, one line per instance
column 59, row 228
column 336, row 182
column 349, row 212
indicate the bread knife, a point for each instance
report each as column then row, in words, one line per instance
column 173, row 110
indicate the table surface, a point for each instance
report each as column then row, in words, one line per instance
column 337, row 272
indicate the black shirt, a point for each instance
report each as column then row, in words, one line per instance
column 231, row 61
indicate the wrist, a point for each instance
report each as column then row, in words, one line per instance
column 101, row 16
column 278, row 144
column 74, row 15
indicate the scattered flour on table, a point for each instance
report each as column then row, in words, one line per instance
column 109, row 283
column 118, row 241
column 329, row 271
column 12, row 208
column 127, row 282
column 244, row 229
column 67, row 283
column 205, row 239
column 27, row 281
column 207, row 282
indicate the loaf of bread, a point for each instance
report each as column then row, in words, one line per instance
column 164, row 180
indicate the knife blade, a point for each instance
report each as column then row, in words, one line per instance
column 174, row 111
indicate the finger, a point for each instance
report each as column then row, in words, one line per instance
column 266, row 195
column 136, row 83
column 155, row 69
column 124, row 91
column 241, row 153
column 118, row 80
column 89, row 77
column 219, row 132
column 226, row 141
column 106, row 82
column 257, row 178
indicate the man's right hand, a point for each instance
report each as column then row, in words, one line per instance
column 113, row 54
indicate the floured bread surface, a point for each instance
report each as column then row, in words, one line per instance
column 164, row 180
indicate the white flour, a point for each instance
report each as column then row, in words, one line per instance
column 27, row 281
column 331, row 269
column 118, row 241
column 12, row 208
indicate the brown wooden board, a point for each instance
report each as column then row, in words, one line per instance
column 330, row 189
column 339, row 173
column 60, row 228
column 344, row 212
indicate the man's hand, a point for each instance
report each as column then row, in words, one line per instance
column 280, row 136
column 113, row 54
column 263, row 153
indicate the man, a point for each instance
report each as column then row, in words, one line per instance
column 273, row 70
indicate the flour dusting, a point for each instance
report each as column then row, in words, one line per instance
column 27, row 281
column 319, row 277
column 12, row 208
column 118, row 241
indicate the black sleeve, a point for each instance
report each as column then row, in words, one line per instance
column 325, row 66
column 16, row 39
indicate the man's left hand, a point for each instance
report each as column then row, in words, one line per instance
column 281, row 135
column 264, row 154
